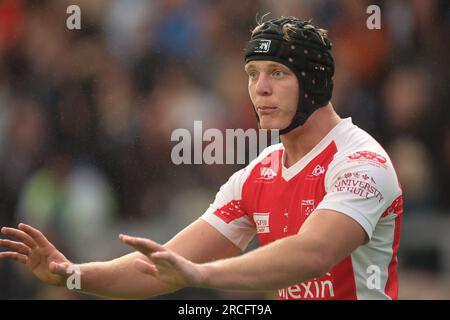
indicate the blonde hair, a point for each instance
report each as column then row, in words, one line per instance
column 290, row 27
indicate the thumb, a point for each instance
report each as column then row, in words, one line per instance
column 145, row 267
column 59, row 268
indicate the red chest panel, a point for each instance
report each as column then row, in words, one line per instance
column 279, row 207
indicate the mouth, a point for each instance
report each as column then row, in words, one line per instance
column 266, row 110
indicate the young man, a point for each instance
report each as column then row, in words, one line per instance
column 325, row 203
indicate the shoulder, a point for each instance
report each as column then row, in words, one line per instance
column 361, row 180
column 357, row 147
column 359, row 156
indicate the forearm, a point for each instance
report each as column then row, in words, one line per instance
column 277, row 265
column 119, row 279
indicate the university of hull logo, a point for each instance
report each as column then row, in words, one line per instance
column 263, row 46
column 358, row 183
column 262, row 222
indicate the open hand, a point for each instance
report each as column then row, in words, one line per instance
column 34, row 250
column 165, row 264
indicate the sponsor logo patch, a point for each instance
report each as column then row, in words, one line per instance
column 262, row 222
column 318, row 170
column 263, row 46
column 318, row 288
column 370, row 157
column 267, row 174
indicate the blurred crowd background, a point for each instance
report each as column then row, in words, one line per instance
column 86, row 118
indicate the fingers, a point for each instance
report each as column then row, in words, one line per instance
column 166, row 256
column 19, row 235
column 35, row 234
column 14, row 256
column 146, row 246
column 15, row 246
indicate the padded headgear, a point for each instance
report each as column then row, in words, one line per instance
column 304, row 50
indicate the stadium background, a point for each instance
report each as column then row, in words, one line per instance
column 86, row 117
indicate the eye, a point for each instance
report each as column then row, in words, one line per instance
column 278, row 73
column 252, row 74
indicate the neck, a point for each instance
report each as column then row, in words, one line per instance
column 303, row 139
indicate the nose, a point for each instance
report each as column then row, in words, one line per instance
column 262, row 86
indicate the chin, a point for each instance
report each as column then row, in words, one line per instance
column 270, row 125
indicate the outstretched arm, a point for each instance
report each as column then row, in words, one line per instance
column 117, row 278
column 325, row 239
column 198, row 242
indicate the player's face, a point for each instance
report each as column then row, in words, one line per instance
column 274, row 92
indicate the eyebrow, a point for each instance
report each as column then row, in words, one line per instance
column 268, row 66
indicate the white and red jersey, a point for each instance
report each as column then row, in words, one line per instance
column 349, row 172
